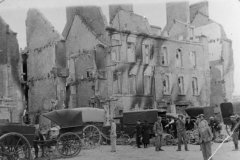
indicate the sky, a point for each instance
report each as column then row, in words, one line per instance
column 225, row 12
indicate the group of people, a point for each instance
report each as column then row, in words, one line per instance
column 206, row 132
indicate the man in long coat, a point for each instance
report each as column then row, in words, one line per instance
column 181, row 133
column 145, row 133
column 138, row 133
column 158, row 130
column 113, row 135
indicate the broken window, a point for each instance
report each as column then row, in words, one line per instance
column 89, row 74
column 115, row 56
column 193, row 59
column 130, row 52
column 195, row 86
column 132, row 84
column 179, row 58
column 181, row 85
column 146, row 51
column 117, row 86
column 166, row 84
column 147, row 85
column 191, row 33
column 164, row 56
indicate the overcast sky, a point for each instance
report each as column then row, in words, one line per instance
column 225, row 12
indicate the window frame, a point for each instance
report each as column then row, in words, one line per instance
column 182, row 91
column 179, row 60
column 165, row 56
column 134, row 87
column 168, row 85
column 197, row 87
column 132, row 46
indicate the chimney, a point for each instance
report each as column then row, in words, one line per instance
column 201, row 7
column 113, row 9
column 178, row 11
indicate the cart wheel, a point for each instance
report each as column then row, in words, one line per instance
column 69, row 145
column 228, row 129
column 124, row 139
column 169, row 140
column 14, row 146
column 92, row 135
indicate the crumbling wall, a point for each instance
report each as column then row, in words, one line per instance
column 46, row 54
column 187, row 71
column 9, row 79
column 84, row 52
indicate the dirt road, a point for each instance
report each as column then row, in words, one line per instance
column 169, row 153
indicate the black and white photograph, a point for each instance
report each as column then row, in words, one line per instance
column 119, row 79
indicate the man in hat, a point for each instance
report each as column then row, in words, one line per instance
column 205, row 137
column 235, row 130
column 189, row 125
column 113, row 135
column 138, row 133
column 214, row 125
column 182, row 136
column 158, row 130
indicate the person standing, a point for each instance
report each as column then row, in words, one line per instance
column 214, row 125
column 235, row 131
column 138, row 133
column 205, row 138
column 181, row 133
column 189, row 125
column 158, row 130
column 113, row 135
column 145, row 133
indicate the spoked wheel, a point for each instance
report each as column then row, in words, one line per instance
column 228, row 129
column 92, row 135
column 168, row 138
column 69, row 145
column 124, row 139
column 14, row 146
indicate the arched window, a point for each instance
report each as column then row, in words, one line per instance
column 195, row 86
column 179, row 62
column 181, row 85
column 164, row 56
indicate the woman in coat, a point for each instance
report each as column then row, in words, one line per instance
column 145, row 133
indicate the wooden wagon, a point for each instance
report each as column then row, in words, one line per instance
column 75, row 124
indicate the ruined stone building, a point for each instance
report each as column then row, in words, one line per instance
column 11, row 94
column 86, row 56
column 220, row 53
column 192, row 22
column 156, row 71
column 46, row 65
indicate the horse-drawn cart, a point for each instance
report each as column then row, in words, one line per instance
column 76, row 124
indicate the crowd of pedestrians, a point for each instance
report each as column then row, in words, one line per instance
column 207, row 132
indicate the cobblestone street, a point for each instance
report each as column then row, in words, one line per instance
column 169, row 153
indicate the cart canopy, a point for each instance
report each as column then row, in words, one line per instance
column 65, row 118
column 92, row 114
column 228, row 109
column 208, row 111
column 75, row 117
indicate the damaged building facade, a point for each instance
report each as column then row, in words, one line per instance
column 86, row 53
column 128, row 64
column 46, row 66
column 153, row 71
column 12, row 100
column 220, row 53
